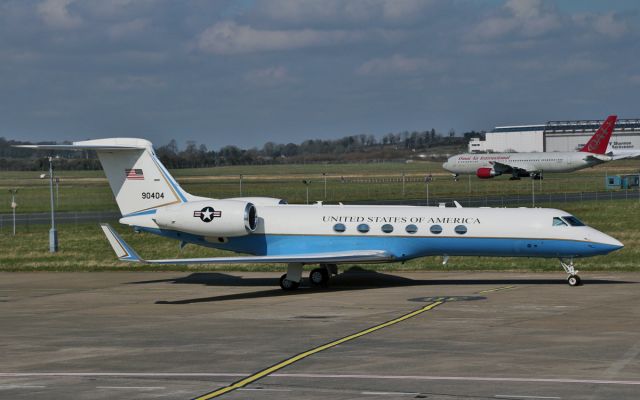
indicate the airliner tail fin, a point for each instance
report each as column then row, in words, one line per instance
column 600, row 140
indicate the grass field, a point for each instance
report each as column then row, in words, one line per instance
column 89, row 190
column 84, row 247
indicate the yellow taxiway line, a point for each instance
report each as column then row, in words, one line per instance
column 276, row 367
column 497, row 289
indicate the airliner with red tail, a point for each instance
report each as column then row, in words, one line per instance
column 490, row 165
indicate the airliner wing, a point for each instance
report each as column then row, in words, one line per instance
column 599, row 158
column 126, row 253
column 505, row 167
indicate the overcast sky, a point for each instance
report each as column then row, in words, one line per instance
column 248, row 72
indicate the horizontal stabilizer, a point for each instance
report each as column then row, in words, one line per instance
column 126, row 253
column 112, row 144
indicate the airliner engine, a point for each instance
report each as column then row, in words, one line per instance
column 223, row 218
column 486, row 173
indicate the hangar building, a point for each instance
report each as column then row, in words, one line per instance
column 555, row 136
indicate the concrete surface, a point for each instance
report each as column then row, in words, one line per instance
column 147, row 335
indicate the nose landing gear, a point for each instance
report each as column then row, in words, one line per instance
column 573, row 279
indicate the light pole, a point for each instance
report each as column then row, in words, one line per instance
column 403, row 185
column 324, row 175
column 533, row 192
column 306, row 183
column 427, row 179
column 13, row 207
column 53, row 234
column 57, row 192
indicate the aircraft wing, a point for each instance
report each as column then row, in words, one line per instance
column 504, row 167
column 599, row 157
column 126, row 253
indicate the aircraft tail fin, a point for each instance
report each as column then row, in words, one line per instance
column 600, row 140
column 139, row 181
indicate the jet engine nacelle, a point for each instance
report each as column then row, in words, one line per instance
column 486, row 173
column 222, row 218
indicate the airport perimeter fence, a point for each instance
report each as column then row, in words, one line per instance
column 510, row 200
column 25, row 220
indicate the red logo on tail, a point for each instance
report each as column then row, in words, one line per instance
column 600, row 140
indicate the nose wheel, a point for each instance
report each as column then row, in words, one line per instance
column 573, row 279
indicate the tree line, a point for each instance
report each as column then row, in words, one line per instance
column 346, row 149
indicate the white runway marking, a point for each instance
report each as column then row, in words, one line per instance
column 320, row 376
column 132, row 387
column 8, row 387
column 515, row 396
column 391, row 393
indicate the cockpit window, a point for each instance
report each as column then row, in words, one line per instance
column 573, row 221
column 557, row 221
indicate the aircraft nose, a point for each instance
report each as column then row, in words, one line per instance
column 445, row 165
column 611, row 243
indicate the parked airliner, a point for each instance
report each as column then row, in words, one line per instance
column 271, row 231
column 490, row 165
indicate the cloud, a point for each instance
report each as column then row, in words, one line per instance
column 227, row 37
column 339, row 12
column 528, row 18
column 55, row 14
column 127, row 28
column 271, row 76
column 131, row 82
column 396, row 65
column 609, row 24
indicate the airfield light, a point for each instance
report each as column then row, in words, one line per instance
column 14, row 205
column 241, row 184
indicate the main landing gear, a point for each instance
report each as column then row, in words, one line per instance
column 317, row 277
column 573, row 279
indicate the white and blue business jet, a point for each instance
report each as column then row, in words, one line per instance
column 271, row 231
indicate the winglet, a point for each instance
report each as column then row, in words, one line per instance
column 600, row 140
column 121, row 248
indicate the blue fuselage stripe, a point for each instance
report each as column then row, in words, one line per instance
column 402, row 247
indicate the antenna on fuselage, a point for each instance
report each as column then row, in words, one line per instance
column 457, row 204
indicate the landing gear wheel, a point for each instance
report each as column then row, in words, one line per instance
column 319, row 277
column 286, row 284
column 574, row 280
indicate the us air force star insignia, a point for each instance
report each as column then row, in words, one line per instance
column 207, row 214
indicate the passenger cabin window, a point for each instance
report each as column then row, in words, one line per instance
column 339, row 228
column 573, row 221
column 363, row 228
column 460, row 229
column 557, row 221
column 411, row 229
column 387, row 228
column 436, row 229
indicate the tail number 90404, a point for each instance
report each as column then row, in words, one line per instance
column 152, row 195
